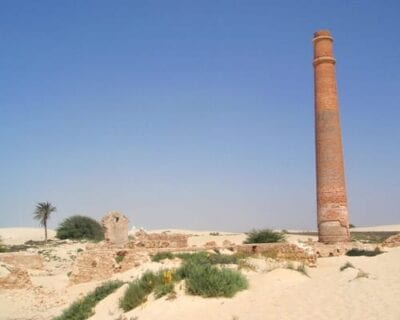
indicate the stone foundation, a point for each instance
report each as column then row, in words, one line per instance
column 14, row 277
column 393, row 241
column 338, row 249
column 101, row 263
column 280, row 251
column 23, row 259
column 160, row 240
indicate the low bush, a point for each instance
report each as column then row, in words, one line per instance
column 264, row 236
column 202, row 278
column 139, row 289
column 135, row 295
column 209, row 281
column 161, row 256
column 80, row 227
column 83, row 308
column 198, row 257
column 223, row 259
column 163, row 289
column 119, row 259
column 361, row 252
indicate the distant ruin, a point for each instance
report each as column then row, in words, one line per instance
column 115, row 226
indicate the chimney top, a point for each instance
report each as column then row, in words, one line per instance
column 322, row 33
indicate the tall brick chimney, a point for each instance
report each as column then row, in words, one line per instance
column 333, row 223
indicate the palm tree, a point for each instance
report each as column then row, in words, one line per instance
column 42, row 213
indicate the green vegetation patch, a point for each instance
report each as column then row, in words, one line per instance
column 198, row 270
column 80, row 227
column 139, row 289
column 210, row 281
column 264, row 236
column 371, row 236
column 362, row 252
column 161, row 256
column 83, row 308
column 197, row 257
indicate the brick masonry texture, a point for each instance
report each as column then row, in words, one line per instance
column 332, row 212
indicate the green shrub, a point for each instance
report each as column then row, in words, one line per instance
column 264, row 236
column 161, row 256
column 205, row 257
column 139, row 289
column 361, row 252
column 197, row 257
column 134, row 296
column 119, row 259
column 80, row 227
column 223, row 259
column 83, row 308
column 163, row 289
column 209, row 281
column 202, row 278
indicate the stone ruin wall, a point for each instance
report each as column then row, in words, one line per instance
column 160, row 240
column 339, row 249
column 101, row 263
column 23, row 259
column 392, row 241
column 281, row 251
column 115, row 226
column 13, row 277
column 14, row 273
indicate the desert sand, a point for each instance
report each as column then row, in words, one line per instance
column 327, row 293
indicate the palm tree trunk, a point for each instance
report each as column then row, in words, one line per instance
column 45, row 234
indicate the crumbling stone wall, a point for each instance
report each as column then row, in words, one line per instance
column 101, row 263
column 23, row 259
column 338, row 249
column 13, row 277
column 392, row 241
column 115, row 227
column 280, row 251
column 160, row 240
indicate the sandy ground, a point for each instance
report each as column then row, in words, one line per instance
column 12, row 236
column 327, row 293
column 393, row 227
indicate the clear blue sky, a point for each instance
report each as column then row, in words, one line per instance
column 195, row 114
